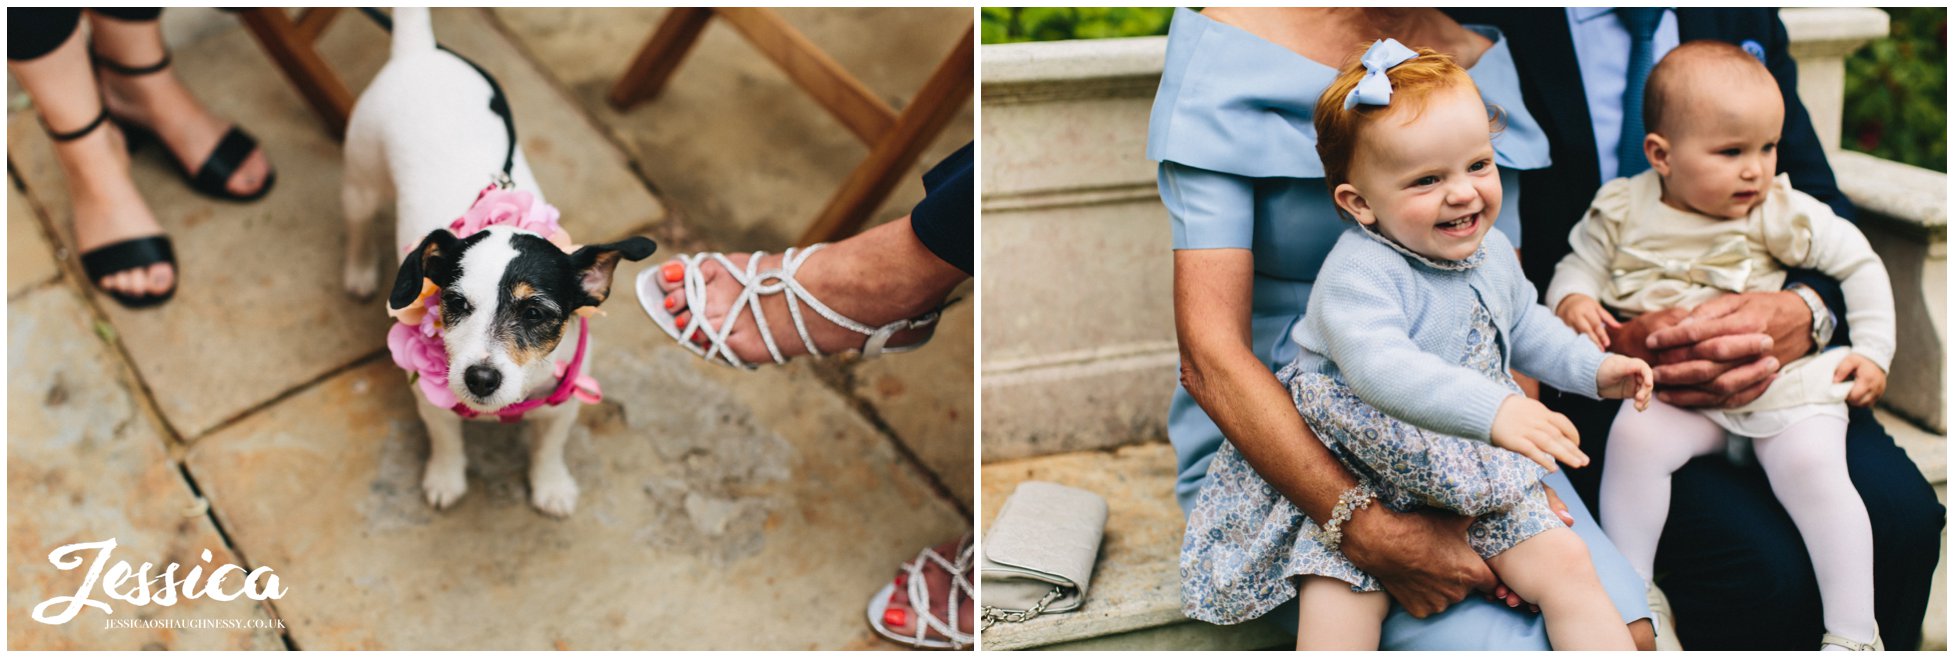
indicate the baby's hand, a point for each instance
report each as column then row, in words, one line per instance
column 1624, row 377
column 1526, row 426
column 1587, row 316
column 1868, row 381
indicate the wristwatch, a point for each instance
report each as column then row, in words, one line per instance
column 1822, row 323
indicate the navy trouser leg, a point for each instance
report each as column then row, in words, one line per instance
column 1907, row 522
column 943, row 219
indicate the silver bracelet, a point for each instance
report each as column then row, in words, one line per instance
column 1356, row 498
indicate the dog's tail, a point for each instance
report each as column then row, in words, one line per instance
column 413, row 31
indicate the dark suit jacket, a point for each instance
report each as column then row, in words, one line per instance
column 1553, row 199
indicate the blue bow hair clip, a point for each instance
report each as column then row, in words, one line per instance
column 1375, row 88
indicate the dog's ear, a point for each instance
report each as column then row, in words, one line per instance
column 434, row 259
column 596, row 263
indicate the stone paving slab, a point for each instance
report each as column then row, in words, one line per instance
column 260, row 310
column 85, row 463
column 925, row 397
column 743, row 153
column 720, row 509
column 30, row 261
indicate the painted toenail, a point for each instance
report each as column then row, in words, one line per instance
column 674, row 272
column 902, row 579
column 671, row 303
column 895, row 617
column 682, row 320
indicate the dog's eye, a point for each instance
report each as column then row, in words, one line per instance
column 534, row 314
column 455, row 303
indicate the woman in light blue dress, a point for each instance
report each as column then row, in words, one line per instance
column 1252, row 222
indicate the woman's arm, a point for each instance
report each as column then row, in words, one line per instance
column 1422, row 559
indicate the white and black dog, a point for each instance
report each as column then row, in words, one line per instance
column 423, row 134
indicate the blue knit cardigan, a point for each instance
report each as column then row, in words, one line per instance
column 1392, row 325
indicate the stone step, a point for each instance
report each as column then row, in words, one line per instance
column 1134, row 602
column 1928, row 450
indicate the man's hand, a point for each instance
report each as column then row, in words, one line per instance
column 1725, row 352
column 1588, row 318
column 1560, row 508
column 1632, row 337
column 1422, row 558
column 1526, row 426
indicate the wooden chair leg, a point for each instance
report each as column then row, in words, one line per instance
column 661, row 55
column 890, row 159
column 291, row 48
column 313, row 22
column 846, row 98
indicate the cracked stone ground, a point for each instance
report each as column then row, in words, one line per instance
column 258, row 416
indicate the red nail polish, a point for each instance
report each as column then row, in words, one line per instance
column 895, row 617
column 671, row 303
column 902, row 579
column 674, row 272
column 681, row 320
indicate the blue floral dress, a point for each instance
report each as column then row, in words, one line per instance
column 1246, row 544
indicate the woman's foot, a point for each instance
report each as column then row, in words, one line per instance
column 901, row 616
column 160, row 103
column 881, row 276
column 108, row 209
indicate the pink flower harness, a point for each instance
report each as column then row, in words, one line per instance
column 418, row 339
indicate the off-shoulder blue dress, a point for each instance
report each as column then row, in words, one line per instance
column 1232, row 130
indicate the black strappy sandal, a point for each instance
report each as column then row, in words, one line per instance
column 212, row 179
column 131, row 254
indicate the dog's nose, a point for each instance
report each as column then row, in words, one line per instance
column 482, row 380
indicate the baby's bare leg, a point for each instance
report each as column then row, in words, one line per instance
column 1336, row 619
column 1553, row 570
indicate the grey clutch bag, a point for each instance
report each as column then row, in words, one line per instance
column 1039, row 554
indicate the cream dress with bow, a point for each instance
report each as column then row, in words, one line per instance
column 1635, row 255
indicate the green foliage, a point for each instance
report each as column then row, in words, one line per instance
column 1015, row 24
column 1896, row 91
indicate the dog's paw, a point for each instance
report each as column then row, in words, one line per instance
column 444, row 486
column 553, row 492
column 361, row 280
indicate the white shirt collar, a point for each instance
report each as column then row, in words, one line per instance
column 1585, row 14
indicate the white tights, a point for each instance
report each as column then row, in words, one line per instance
column 1806, row 467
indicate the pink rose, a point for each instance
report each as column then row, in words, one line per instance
column 402, row 341
column 437, row 392
column 430, row 322
column 424, row 356
column 513, row 208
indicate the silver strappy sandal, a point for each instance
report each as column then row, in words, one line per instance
column 755, row 283
column 919, row 601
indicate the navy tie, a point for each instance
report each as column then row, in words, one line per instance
column 1640, row 23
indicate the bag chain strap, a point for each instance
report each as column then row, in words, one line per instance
column 992, row 615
